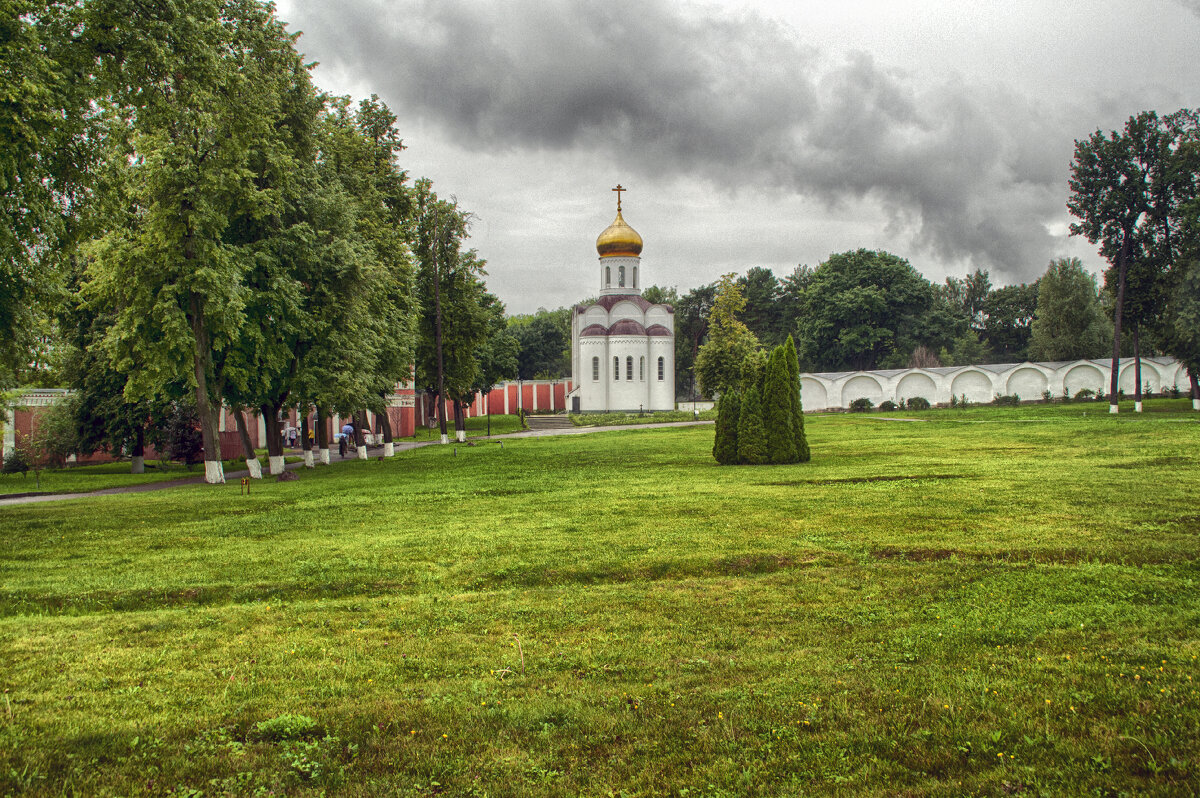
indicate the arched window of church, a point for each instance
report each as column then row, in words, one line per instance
column 642, row 369
column 596, row 369
column 661, row 369
column 616, row 368
column 608, row 276
column 629, row 368
column 621, row 276
column 635, row 276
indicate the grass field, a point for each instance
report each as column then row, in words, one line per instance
column 988, row 601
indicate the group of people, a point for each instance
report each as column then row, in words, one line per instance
column 345, row 438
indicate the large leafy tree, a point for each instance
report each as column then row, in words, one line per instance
column 867, row 309
column 47, row 145
column 1069, row 322
column 1112, row 195
column 763, row 311
column 1008, row 316
column 720, row 361
column 453, row 322
column 544, row 342
column 691, row 329
column 203, row 84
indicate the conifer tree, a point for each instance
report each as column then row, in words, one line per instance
column 779, row 409
column 725, row 448
column 752, row 437
column 793, row 365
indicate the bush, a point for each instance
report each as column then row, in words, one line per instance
column 182, row 434
column 1175, row 392
column 1047, row 396
column 725, row 448
column 921, row 403
column 751, row 435
column 16, row 461
column 777, row 413
column 889, row 405
column 1084, row 394
column 861, row 405
column 803, row 454
column 1006, row 400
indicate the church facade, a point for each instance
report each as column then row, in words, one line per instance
column 622, row 346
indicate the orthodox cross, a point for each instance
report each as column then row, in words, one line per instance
column 618, row 189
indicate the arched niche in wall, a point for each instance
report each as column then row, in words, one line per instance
column 973, row 384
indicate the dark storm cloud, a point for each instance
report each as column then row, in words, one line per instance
column 970, row 173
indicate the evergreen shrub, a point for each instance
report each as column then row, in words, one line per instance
column 888, row 404
column 919, row 403
column 1006, row 400
column 725, row 447
column 777, row 409
column 751, row 434
column 803, row 455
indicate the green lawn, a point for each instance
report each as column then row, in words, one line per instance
column 82, row 479
column 476, row 427
column 988, row 601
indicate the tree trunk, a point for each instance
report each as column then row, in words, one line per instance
column 322, row 436
column 137, row 460
column 1115, row 381
column 305, row 444
column 389, row 445
column 360, row 435
column 1192, row 377
column 460, row 425
column 437, row 343
column 1137, row 371
column 274, row 438
column 252, row 464
column 214, row 471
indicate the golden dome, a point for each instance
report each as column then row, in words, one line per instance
column 619, row 240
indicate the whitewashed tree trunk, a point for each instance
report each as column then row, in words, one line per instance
column 445, row 439
column 137, row 465
column 1137, row 407
column 460, row 435
column 325, row 456
column 214, row 472
column 275, row 463
column 308, row 458
column 362, row 451
column 1196, row 404
column 254, row 467
column 1113, row 409
column 389, row 449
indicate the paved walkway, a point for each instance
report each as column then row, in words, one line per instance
column 372, row 452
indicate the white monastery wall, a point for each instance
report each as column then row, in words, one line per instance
column 981, row 384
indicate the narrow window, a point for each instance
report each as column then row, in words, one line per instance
column 616, row 368
column 642, row 369
column 608, row 276
column 629, row 368
column 621, row 276
column 596, row 369
column 635, row 276
column 660, row 369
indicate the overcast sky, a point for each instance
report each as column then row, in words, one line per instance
column 754, row 133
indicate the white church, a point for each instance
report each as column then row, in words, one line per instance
column 622, row 346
